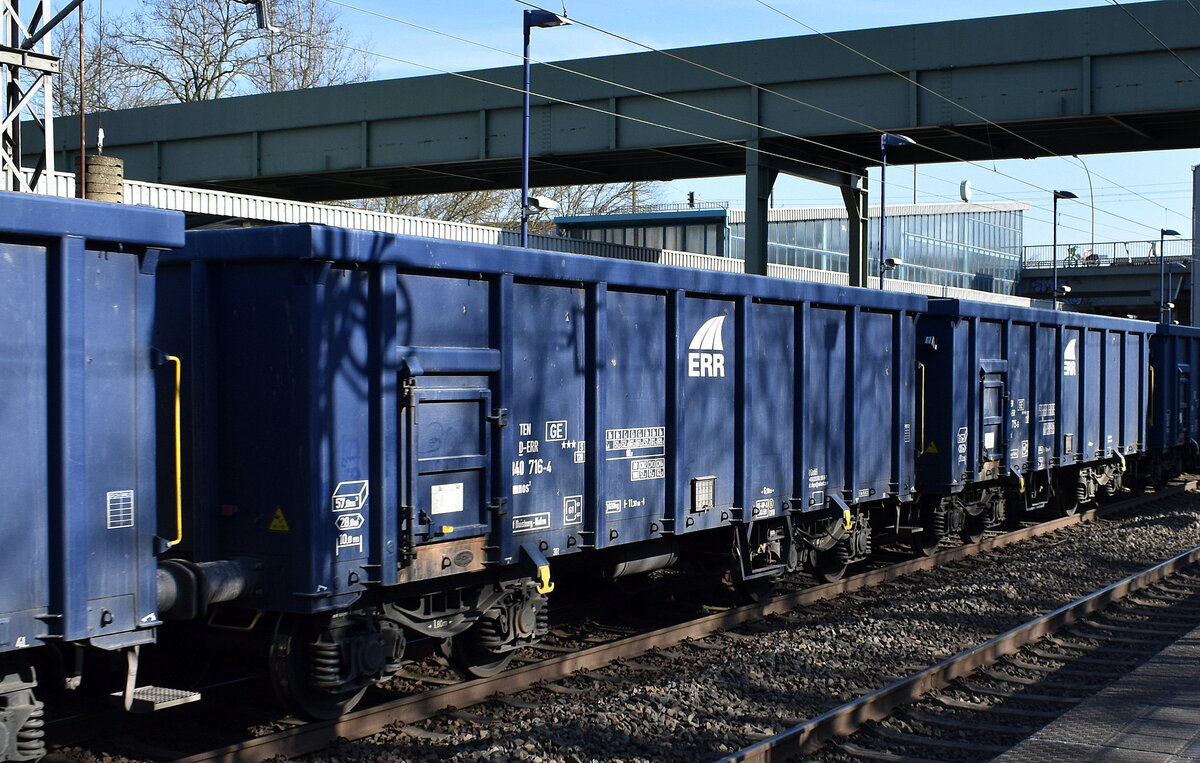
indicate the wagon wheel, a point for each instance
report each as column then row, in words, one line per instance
column 925, row 543
column 829, row 566
column 973, row 527
column 467, row 654
column 1066, row 500
column 290, row 666
column 1114, row 485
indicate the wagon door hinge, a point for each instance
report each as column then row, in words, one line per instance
column 499, row 417
column 408, row 394
column 498, row 507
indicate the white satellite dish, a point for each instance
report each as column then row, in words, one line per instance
column 964, row 190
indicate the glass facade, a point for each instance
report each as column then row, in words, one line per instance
column 968, row 249
column 700, row 237
column 964, row 245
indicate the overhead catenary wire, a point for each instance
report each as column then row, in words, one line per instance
column 734, row 144
column 869, row 159
column 626, row 86
column 849, row 119
column 1158, row 39
column 565, row 102
column 1049, row 153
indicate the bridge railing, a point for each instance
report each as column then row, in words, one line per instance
column 1107, row 253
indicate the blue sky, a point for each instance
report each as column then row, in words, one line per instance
column 1163, row 178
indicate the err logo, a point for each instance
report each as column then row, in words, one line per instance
column 1070, row 360
column 706, row 353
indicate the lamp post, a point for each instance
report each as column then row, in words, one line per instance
column 885, row 140
column 542, row 20
column 1170, row 303
column 1163, row 315
column 1054, row 241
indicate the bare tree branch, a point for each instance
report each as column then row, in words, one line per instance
column 502, row 208
column 166, row 51
column 310, row 50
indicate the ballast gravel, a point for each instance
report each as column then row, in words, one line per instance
column 700, row 703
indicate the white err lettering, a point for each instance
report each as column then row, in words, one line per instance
column 706, row 351
column 706, row 364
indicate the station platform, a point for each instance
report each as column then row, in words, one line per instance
column 1152, row 715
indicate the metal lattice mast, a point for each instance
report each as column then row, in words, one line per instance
column 27, row 67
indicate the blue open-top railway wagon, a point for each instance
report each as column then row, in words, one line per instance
column 405, row 437
column 1025, row 408
column 352, row 442
column 1174, row 419
column 77, row 406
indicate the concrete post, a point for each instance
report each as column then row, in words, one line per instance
column 760, row 179
column 855, row 198
column 1194, row 305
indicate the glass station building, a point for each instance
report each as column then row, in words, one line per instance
column 972, row 246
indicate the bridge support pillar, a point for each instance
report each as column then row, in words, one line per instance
column 854, row 194
column 1194, row 312
column 764, row 162
column 760, row 179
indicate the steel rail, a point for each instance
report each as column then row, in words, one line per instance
column 845, row 720
column 312, row 737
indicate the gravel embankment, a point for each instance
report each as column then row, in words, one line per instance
column 695, row 702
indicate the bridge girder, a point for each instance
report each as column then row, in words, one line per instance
column 1063, row 82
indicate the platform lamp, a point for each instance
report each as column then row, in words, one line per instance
column 1176, row 267
column 542, row 20
column 1163, row 310
column 1054, row 241
column 885, row 140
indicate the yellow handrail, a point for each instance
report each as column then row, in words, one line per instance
column 1151, row 416
column 178, row 454
column 921, row 442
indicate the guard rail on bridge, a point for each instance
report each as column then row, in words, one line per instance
column 1107, row 253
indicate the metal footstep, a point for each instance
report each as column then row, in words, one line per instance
column 147, row 699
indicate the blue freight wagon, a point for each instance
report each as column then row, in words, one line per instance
column 346, row 443
column 1174, row 417
column 1023, row 408
column 77, row 406
column 406, row 437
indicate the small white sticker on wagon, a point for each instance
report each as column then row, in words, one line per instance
column 446, row 499
column 120, row 509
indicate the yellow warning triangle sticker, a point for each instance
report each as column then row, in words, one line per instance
column 931, row 447
column 279, row 522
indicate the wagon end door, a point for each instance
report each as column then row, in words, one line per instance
column 993, row 409
column 1183, row 404
column 445, row 454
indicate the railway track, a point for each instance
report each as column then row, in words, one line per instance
column 982, row 701
column 437, row 693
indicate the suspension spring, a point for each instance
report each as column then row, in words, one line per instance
column 324, row 665
column 31, row 743
column 939, row 525
column 856, row 544
column 490, row 632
